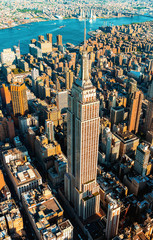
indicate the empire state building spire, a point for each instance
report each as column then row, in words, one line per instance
column 84, row 34
column 85, row 81
column 80, row 183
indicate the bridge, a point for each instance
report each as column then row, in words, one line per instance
column 138, row 14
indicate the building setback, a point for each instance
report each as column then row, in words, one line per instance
column 81, row 187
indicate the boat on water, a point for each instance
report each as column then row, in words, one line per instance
column 62, row 26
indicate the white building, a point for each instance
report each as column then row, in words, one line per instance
column 49, row 129
column 17, row 51
column 81, row 187
column 113, row 216
column 28, row 121
column 21, row 173
column 62, row 100
column 8, row 57
column 142, row 159
column 34, row 73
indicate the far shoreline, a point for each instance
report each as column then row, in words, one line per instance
column 23, row 33
column 56, row 19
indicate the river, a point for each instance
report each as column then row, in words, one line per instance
column 72, row 32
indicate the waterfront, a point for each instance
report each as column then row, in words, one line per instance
column 72, row 32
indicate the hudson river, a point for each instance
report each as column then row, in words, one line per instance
column 72, row 32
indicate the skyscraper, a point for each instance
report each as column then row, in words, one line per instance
column 59, row 40
column 5, row 95
column 81, row 187
column 113, row 216
column 17, row 52
column 49, row 37
column 6, row 128
column 135, row 111
column 68, row 79
column 116, row 115
column 142, row 159
column 67, row 84
column 150, row 90
column 49, row 129
column 106, row 143
column 132, row 88
column 149, row 117
column 71, row 79
column 112, row 100
column 19, row 99
column 40, row 38
column 62, row 100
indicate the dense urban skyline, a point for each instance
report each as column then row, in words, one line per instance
column 76, row 124
column 14, row 13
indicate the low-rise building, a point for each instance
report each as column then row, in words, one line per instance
column 46, row 149
column 13, row 217
column 4, row 190
column 56, row 173
column 62, row 231
column 46, row 215
column 129, row 142
column 111, row 189
column 35, row 51
column 23, row 65
column 7, row 56
column 21, row 173
column 45, row 46
column 28, row 121
column 3, row 229
column 6, row 128
column 135, row 185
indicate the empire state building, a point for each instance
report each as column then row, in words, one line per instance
column 81, row 187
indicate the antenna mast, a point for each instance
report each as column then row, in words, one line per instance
column 85, row 33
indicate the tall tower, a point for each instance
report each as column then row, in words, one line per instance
column 135, row 111
column 67, row 84
column 142, row 159
column 132, row 88
column 59, row 40
column 68, row 79
column 107, row 143
column 81, row 187
column 149, row 117
column 5, row 95
column 49, row 37
column 19, row 99
column 113, row 216
column 150, row 90
column 49, row 129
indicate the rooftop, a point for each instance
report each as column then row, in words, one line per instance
column 9, row 207
column 126, row 136
column 42, row 206
column 17, row 160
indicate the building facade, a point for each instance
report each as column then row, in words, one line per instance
column 113, row 216
column 142, row 159
column 135, row 111
column 149, row 117
column 19, row 99
column 81, row 187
